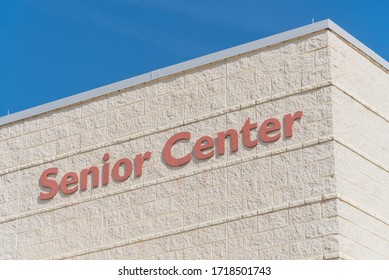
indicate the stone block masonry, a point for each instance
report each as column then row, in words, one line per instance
column 255, row 179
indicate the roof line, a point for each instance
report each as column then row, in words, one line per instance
column 358, row 44
column 193, row 63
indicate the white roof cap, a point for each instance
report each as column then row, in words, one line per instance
column 193, row 63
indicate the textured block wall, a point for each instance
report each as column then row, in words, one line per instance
column 289, row 199
column 361, row 130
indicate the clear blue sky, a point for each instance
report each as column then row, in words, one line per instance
column 51, row 49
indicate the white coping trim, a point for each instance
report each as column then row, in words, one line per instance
column 193, row 63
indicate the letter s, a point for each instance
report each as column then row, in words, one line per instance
column 44, row 181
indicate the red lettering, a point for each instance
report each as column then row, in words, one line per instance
column 105, row 175
column 221, row 138
column 204, row 143
column 288, row 122
column 246, row 129
column 139, row 160
column 127, row 164
column 167, row 150
column 44, row 181
column 84, row 177
column 204, row 148
column 268, row 126
column 67, row 180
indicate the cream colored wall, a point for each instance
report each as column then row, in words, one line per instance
column 361, row 130
column 275, row 201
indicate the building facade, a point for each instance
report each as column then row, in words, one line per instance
column 276, row 149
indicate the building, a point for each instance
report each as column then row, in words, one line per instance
column 275, row 149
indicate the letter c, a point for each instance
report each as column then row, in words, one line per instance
column 167, row 150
